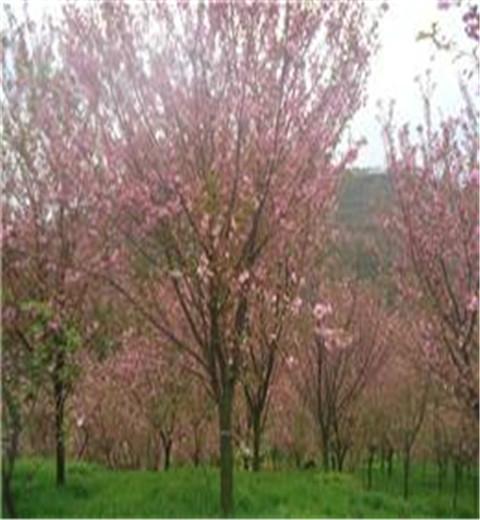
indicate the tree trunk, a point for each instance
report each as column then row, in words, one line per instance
column 10, row 436
column 256, row 442
column 167, row 451
column 298, row 459
column 196, row 457
column 83, row 446
column 326, row 456
column 341, row 458
column 456, row 482
column 59, row 395
column 390, row 464
column 475, row 488
column 332, row 463
column 226, row 451
column 371, row 457
column 8, row 505
column 440, row 475
column 406, row 473
column 196, row 447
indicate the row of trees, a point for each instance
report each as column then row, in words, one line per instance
column 171, row 174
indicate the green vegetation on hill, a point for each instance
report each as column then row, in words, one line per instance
column 361, row 197
column 95, row 492
column 363, row 249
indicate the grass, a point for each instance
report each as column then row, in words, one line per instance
column 95, row 492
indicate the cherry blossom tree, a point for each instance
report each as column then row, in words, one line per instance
column 220, row 123
column 410, row 410
column 53, row 192
column 20, row 383
column 436, row 237
column 157, row 385
column 343, row 348
column 271, row 310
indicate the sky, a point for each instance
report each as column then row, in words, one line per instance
column 393, row 70
column 401, row 59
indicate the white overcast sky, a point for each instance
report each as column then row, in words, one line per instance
column 400, row 59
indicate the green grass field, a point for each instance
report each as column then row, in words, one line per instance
column 94, row 492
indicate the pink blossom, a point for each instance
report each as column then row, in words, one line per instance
column 472, row 304
column 296, row 305
column 243, row 278
column 322, row 310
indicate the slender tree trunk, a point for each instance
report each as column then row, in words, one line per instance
column 196, row 457
column 167, row 451
column 475, row 488
column 440, row 475
column 256, row 426
column 333, row 465
column 8, row 505
column 326, row 456
column 341, row 458
column 456, row 482
column 11, row 435
column 371, row 457
column 406, row 473
column 196, row 447
column 59, row 396
column 226, row 451
column 298, row 460
column 390, row 464
column 84, row 445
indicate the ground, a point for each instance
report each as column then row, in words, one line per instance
column 93, row 491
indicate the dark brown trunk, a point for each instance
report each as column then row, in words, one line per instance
column 456, row 482
column 406, row 473
column 83, row 447
column 167, row 442
column 11, row 435
column 167, row 451
column 371, row 457
column 440, row 474
column 382, row 461
column 326, row 456
column 256, row 442
column 196, row 448
column 390, row 464
column 59, row 396
column 8, row 505
column 226, row 451
column 196, row 457
column 341, row 458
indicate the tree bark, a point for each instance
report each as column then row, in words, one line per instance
column 59, row 396
column 256, row 426
column 440, row 475
column 11, row 433
column 390, row 463
column 371, row 457
column 326, row 456
column 226, row 451
column 406, row 474
column 456, row 482
column 196, row 447
column 167, row 451
column 341, row 458
column 8, row 505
